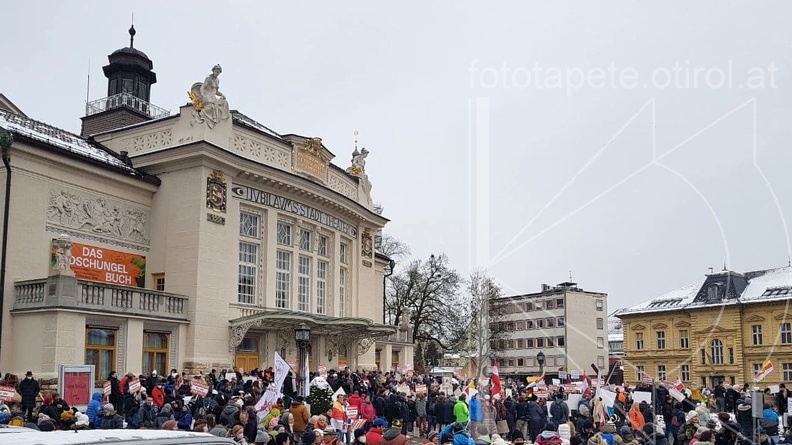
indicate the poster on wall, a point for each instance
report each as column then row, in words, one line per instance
column 75, row 384
column 109, row 266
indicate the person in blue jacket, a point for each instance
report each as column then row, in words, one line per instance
column 94, row 408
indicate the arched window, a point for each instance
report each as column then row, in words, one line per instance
column 717, row 352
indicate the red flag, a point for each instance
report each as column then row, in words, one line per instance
column 585, row 386
column 496, row 383
column 678, row 385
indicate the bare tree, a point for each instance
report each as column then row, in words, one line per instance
column 393, row 247
column 429, row 289
column 484, row 328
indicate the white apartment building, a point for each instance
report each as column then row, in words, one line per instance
column 565, row 323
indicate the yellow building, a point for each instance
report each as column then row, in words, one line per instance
column 723, row 327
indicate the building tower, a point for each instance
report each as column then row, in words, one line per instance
column 129, row 80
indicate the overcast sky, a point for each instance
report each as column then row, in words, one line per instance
column 538, row 119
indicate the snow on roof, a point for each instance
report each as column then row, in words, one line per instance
column 54, row 136
column 763, row 286
column 245, row 120
column 615, row 329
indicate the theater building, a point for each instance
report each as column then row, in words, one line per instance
column 192, row 240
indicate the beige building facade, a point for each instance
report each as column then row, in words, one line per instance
column 199, row 240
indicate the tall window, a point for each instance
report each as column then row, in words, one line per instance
column 248, row 258
column 756, row 368
column 305, row 240
column 684, row 343
column 529, row 343
column 520, row 343
column 321, row 249
column 342, row 284
column 639, row 340
column 321, row 287
column 155, row 350
column 717, row 352
column 519, row 325
column 248, row 271
column 640, row 370
column 529, row 324
column 303, row 283
column 684, row 372
column 343, row 253
column 756, row 331
column 599, row 305
column 284, row 234
column 560, row 322
column 538, row 305
column 159, row 281
column 600, row 323
column 660, row 339
column 661, row 372
column 540, row 323
column 787, row 371
column 600, row 342
column 786, row 334
column 549, row 304
column 283, row 279
column 731, row 356
column 559, row 303
column 100, row 350
column 550, row 342
column 703, row 357
column 550, row 322
column 540, row 342
column 528, row 306
column 560, row 341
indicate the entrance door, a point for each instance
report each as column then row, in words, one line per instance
column 716, row 379
column 247, row 354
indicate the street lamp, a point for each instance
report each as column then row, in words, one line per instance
column 387, row 272
column 6, row 139
column 302, row 333
column 540, row 358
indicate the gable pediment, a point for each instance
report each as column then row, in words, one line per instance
column 638, row 327
column 783, row 316
column 754, row 318
column 682, row 324
column 659, row 326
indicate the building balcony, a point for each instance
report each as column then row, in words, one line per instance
column 400, row 336
column 125, row 100
column 90, row 296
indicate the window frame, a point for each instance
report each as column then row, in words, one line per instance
column 661, row 339
column 247, row 291
column 304, row 279
column 158, row 279
column 684, row 373
column 639, row 341
column 100, row 376
column 155, row 351
column 684, row 340
column 756, row 335
column 321, row 285
column 785, row 331
column 283, row 276
column 716, row 351
column 288, row 234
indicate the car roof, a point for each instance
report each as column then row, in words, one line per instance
column 125, row 437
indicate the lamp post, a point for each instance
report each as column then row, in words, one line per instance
column 6, row 139
column 540, row 358
column 388, row 272
column 302, row 334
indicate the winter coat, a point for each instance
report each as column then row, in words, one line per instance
column 373, row 437
column 461, row 411
column 366, row 411
column 228, row 416
column 94, row 407
column 158, row 395
column 536, row 415
column 656, row 439
column 146, row 416
column 301, row 416
column 163, row 416
column 114, row 422
column 393, row 436
column 475, row 409
column 521, row 410
column 637, row 421
column 29, row 389
column 184, row 420
column 463, row 438
column 448, row 412
column 548, row 437
column 420, row 407
column 559, row 410
column 488, row 417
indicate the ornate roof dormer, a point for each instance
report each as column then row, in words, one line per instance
column 721, row 286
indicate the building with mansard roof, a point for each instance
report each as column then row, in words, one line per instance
column 723, row 327
column 192, row 240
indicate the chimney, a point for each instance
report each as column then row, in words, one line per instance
column 545, row 287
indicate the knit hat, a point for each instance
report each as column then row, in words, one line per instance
column 379, row 421
column 396, row 423
column 625, row 431
column 609, row 427
column 690, row 415
column 47, row 400
column 169, row 424
column 457, row 428
column 239, row 403
column 108, row 408
column 43, row 417
column 359, row 432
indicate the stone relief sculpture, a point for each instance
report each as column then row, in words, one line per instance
column 98, row 216
column 210, row 105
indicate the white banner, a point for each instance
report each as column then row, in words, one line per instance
column 273, row 392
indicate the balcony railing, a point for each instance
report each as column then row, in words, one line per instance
column 399, row 336
column 33, row 294
column 125, row 100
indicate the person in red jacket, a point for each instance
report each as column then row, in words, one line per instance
column 367, row 410
column 374, row 435
column 158, row 394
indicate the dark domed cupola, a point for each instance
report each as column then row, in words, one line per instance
column 130, row 71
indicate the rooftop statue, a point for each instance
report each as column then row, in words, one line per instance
column 210, row 104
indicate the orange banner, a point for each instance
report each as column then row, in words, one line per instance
column 106, row 265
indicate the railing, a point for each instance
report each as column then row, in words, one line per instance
column 399, row 336
column 125, row 100
column 32, row 294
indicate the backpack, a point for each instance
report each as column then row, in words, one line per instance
column 556, row 411
column 608, row 438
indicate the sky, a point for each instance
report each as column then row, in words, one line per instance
column 635, row 144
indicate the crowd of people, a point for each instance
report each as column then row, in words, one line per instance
column 380, row 408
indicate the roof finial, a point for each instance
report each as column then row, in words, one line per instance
column 711, row 269
column 724, row 266
column 789, row 261
column 132, row 32
column 570, row 275
column 356, row 139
